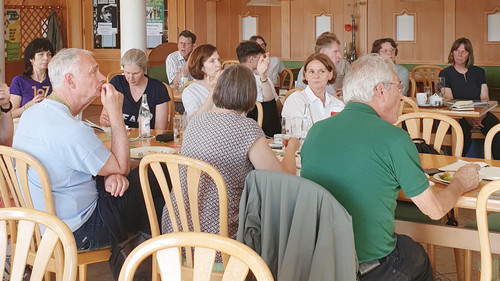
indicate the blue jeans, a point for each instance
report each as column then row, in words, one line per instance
column 93, row 234
column 408, row 261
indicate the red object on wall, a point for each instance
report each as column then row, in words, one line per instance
column 348, row 27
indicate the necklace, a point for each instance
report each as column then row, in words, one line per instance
column 462, row 71
column 57, row 98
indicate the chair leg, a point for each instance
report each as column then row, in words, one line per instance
column 431, row 252
column 459, row 263
column 82, row 272
column 468, row 265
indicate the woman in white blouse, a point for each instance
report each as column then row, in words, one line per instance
column 204, row 66
column 319, row 72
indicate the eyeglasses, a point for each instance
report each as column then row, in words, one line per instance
column 263, row 45
column 461, row 52
column 400, row 86
column 387, row 51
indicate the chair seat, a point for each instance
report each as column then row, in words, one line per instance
column 408, row 211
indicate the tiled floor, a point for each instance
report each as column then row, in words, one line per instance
column 446, row 270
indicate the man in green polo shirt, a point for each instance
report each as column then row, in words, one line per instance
column 364, row 161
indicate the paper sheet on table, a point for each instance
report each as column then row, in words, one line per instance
column 455, row 166
column 489, row 173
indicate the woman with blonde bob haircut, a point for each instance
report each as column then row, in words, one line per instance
column 233, row 144
column 132, row 85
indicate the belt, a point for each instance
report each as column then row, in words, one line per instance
column 367, row 266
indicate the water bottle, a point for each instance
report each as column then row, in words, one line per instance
column 346, row 57
column 144, row 118
column 307, row 121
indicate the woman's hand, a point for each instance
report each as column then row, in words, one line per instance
column 476, row 122
column 293, row 145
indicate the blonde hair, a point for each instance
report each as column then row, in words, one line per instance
column 136, row 57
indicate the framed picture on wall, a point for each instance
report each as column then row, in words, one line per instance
column 106, row 24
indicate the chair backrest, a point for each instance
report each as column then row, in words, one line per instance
column 488, row 140
column 229, row 62
column 26, row 222
column 284, row 83
column 171, row 107
column 194, row 169
column 188, row 83
column 12, row 160
column 482, row 227
column 260, row 113
column 410, row 102
column 413, row 88
column 421, row 125
column 160, row 53
column 113, row 74
column 168, row 248
column 289, row 92
column 427, row 75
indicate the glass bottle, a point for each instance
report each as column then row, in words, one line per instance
column 345, row 51
column 307, row 121
column 144, row 118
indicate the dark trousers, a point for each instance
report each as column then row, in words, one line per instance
column 489, row 121
column 115, row 217
column 408, row 261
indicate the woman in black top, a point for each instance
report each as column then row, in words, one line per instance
column 468, row 82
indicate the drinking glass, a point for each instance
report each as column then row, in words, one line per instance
column 440, row 86
column 179, row 126
column 292, row 128
column 428, row 93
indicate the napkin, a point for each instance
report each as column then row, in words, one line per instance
column 455, row 166
column 489, row 173
column 463, row 105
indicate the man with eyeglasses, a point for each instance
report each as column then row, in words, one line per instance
column 275, row 64
column 365, row 161
column 175, row 63
column 387, row 47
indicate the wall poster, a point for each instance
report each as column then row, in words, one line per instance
column 154, row 22
column 106, row 24
column 13, row 35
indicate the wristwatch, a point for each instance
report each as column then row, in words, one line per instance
column 6, row 110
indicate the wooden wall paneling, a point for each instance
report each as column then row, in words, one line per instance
column 449, row 27
column 75, row 25
column 172, row 15
column 486, row 26
column 181, row 14
column 364, row 47
column 223, row 27
column 285, row 30
column 189, row 14
column 274, row 38
column 211, row 22
column 430, row 32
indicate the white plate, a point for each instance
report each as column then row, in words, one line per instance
column 139, row 152
column 439, row 179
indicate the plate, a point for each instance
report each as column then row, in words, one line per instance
column 439, row 179
column 139, row 152
column 275, row 145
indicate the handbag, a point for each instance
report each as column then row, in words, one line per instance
column 423, row 147
column 121, row 251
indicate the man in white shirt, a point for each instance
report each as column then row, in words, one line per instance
column 251, row 55
column 176, row 62
column 275, row 64
column 328, row 44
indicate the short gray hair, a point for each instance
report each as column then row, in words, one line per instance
column 137, row 57
column 65, row 61
column 365, row 74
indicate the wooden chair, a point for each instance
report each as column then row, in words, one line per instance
column 409, row 101
column 289, row 92
column 113, row 74
column 171, row 107
column 425, row 120
column 482, row 227
column 16, row 189
column 188, row 83
column 169, row 255
column 260, row 113
column 287, row 72
column 427, row 75
column 489, row 140
column 193, row 169
column 159, row 54
column 229, row 62
column 413, row 88
column 27, row 247
column 421, row 125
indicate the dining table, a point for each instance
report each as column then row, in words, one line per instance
column 137, row 142
column 446, row 110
